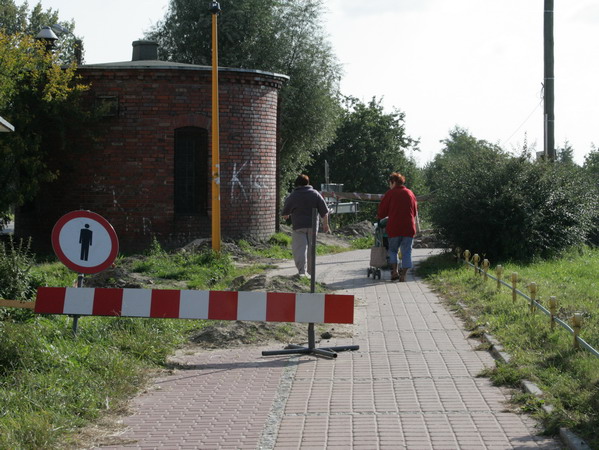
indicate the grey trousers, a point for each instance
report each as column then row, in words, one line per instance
column 300, row 243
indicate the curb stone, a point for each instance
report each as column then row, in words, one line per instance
column 572, row 441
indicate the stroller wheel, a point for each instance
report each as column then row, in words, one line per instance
column 378, row 274
column 368, row 273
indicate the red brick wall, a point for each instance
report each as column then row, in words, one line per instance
column 126, row 172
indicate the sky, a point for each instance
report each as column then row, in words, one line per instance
column 476, row 64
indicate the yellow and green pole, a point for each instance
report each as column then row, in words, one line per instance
column 216, row 237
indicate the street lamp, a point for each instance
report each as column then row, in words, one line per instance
column 47, row 35
column 214, row 9
column 77, row 48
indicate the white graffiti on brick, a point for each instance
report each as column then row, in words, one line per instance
column 246, row 185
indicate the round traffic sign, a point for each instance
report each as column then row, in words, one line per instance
column 85, row 242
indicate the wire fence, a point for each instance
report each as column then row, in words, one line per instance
column 482, row 268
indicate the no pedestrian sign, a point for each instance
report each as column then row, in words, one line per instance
column 85, row 242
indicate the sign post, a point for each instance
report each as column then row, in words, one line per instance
column 86, row 243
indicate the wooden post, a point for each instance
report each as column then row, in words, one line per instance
column 499, row 271
column 553, row 310
column 486, row 265
column 532, row 287
column 458, row 251
column 476, row 259
column 576, row 325
column 467, row 255
column 514, row 284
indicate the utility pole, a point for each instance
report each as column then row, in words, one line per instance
column 549, row 82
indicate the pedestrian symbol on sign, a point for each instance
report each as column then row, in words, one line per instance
column 85, row 239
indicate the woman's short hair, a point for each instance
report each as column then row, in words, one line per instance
column 302, row 180
column 397, row 178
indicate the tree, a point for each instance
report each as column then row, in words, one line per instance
column 591, row 169
column 369, row 145
column 271, row 35
column 565, row 154
column 40, row 98
column 591, row 163
column 460, row 146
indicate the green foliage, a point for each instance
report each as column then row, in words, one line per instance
column 281, row 37
column 508, row 207
column 40, row 98
column 569, row 378
column 16, row 279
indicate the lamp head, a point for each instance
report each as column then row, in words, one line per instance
column 214, row 7
column 47, row 34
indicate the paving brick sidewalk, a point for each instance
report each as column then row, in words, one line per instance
column 412, row 384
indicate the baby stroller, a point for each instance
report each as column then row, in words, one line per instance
column 379, row 253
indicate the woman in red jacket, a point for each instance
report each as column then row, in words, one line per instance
column 400, row 205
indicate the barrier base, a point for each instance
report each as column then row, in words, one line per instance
column 327, row 352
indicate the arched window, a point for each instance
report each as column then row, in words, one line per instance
column 191, row 171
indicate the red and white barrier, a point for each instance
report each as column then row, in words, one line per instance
column 189, row 304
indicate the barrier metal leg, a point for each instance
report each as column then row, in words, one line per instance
column 75, row 317
column 291, row 349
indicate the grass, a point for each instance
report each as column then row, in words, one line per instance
column 569, row 378
column 362, row 243
column 198, row 270
column 280, row 247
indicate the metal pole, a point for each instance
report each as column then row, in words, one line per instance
column 312, row 250
column 549, row 84
column 216, row 235
column 80, row 278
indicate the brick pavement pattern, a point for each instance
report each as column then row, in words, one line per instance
column 412, row 384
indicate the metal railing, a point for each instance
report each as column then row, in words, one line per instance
column 482, row 269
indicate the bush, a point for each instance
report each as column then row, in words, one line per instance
column 16, row 261
column 512, row 208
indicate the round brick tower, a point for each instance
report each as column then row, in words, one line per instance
column 145, row 166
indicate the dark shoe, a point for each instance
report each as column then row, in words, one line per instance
column 402, row 275
column 394, row 274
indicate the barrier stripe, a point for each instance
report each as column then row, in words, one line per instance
column 189, row 304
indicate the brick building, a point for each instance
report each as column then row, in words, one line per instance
column 147, row 169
